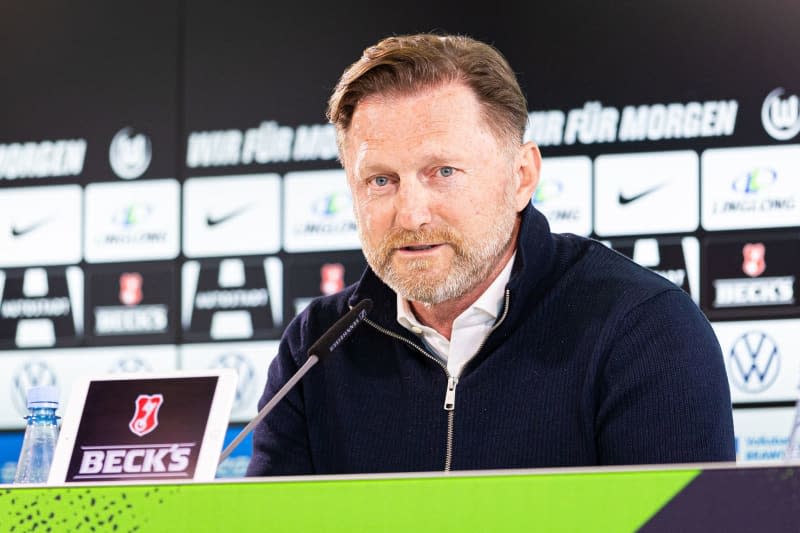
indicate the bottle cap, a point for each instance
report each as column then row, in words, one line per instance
column 44, row 396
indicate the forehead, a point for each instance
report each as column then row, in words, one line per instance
column 433, row 99
column 449, row 114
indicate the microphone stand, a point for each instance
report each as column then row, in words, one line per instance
column 332, row 338
column 311, row 361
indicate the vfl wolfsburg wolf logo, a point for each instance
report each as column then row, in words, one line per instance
column 145, row 417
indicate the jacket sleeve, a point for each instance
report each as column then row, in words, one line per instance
column 663, row 393
column 280, row 440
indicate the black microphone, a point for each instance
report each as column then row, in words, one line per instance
column 329, row 341
column 342, row 329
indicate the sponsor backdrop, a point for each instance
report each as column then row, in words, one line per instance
column 170, row 194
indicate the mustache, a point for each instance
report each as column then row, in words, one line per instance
column 400, row 238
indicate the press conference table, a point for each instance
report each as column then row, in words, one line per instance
column 685, row 498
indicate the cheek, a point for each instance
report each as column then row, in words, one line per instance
column 369, row 215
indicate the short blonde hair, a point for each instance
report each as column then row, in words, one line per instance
column 408, row 63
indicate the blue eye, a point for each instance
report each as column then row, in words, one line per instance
column 446, row 172
column 380, row 181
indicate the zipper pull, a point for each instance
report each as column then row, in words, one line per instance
column 450, row 395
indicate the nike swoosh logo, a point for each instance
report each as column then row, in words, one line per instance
column 215, row 221
column 19, row 232
column 625, row 200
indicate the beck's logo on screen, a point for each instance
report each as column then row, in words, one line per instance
column 145, row 417
column 141, row 429
column 749, row 277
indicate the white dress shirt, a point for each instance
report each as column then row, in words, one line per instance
column 470, row 328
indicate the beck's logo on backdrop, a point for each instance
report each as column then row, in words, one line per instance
column 754, row 263
column 131, row 303
column 312, row 275
column 331, row 278
column 751, row 277
column 130, row 288
column 145, row 416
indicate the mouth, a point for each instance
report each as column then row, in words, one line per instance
column 417, row 248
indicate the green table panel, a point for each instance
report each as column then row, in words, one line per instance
column 607, row 501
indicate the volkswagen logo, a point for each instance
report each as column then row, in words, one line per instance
column 247, row 375
column 31, row 374
column 754, row 362
column 128, row 365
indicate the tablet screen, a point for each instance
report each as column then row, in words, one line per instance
column 144, row 428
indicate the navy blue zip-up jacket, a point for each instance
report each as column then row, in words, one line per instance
column 594, row 360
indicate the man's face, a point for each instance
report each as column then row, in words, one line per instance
column 436, row 193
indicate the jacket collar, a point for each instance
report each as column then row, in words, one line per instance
column 530, row 276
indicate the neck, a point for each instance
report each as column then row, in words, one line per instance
column 442, row 315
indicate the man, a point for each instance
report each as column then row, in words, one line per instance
column 492, row 343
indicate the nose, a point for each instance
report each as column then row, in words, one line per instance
column 412, row 204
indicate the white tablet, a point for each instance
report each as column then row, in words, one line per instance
column 144, row 426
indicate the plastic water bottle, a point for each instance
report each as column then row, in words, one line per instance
column 41, row 434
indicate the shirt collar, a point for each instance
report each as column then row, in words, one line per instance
column 490, row 302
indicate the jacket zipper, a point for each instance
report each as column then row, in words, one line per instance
column 452, row 381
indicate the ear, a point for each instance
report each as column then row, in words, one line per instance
column 528, row 165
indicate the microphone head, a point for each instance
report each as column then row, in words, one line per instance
column 341, row 329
